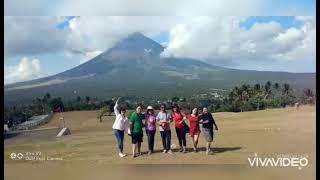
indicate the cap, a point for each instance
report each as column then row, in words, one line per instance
column 150, row 107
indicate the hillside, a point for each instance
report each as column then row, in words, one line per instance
column 134, row 67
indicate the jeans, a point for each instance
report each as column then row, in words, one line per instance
column 150, row 135
column 166, row 139
column 181, row 136
column 119, row 135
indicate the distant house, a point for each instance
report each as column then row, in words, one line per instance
column 216, row 95
column 203, row 95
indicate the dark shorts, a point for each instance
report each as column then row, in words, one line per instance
column 136, row 137
column 208, row 134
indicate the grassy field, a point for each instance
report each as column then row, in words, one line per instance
column 90, row 152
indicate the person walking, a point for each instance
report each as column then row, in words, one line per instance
column 180, row 126
column 208, row 122
column 150, row 127
column 164, row 119
column 136, row 126
column 194, row 127
column 119, row 126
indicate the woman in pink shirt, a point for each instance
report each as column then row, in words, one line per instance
column 150, row 126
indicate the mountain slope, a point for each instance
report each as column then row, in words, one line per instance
column 134, row 67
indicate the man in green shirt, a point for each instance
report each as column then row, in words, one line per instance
column 136, row 126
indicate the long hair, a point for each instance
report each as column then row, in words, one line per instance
column 177, row 107
column 197, row 111
column 122, row 109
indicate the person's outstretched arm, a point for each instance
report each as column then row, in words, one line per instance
column 116, row 111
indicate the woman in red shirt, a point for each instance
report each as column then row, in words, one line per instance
column 194, row 127
column 180, row 127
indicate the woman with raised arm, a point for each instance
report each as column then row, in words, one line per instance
column 120, row 124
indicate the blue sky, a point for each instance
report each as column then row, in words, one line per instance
column 285, row 21
column 299, row 7
column 65, row 23
column 162, row 37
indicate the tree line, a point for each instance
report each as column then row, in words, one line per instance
column 241, row 98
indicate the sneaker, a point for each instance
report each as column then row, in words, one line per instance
column 181, row 150
column 184, row 150
column 170, row 152
column 122, row 155
column 149, row 153
column 164, row 151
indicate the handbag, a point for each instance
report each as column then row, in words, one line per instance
column 186, row 128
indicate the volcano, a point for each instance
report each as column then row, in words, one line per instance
column 134, row 67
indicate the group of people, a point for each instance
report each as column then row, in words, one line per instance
column 150, row 120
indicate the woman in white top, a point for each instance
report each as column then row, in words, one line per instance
column 120, row 125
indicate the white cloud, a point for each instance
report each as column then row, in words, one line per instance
column 32, row 35
column 27, row 69
column 89, row 55
column 163, row 7
column 102, row 32
column 217, row 40
column 156, row 7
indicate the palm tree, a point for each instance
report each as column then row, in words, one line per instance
column 78, row 99
column 267, row 89
column 38, row 102
column 286, row 88
column 276, row 86
column 309, row 95
column 87, row 99
column 257, row 87
column 259, row 94
column 236, row 97
column 245, row 92
column 48, row 96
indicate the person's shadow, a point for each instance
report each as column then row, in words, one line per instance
column 213, row 150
